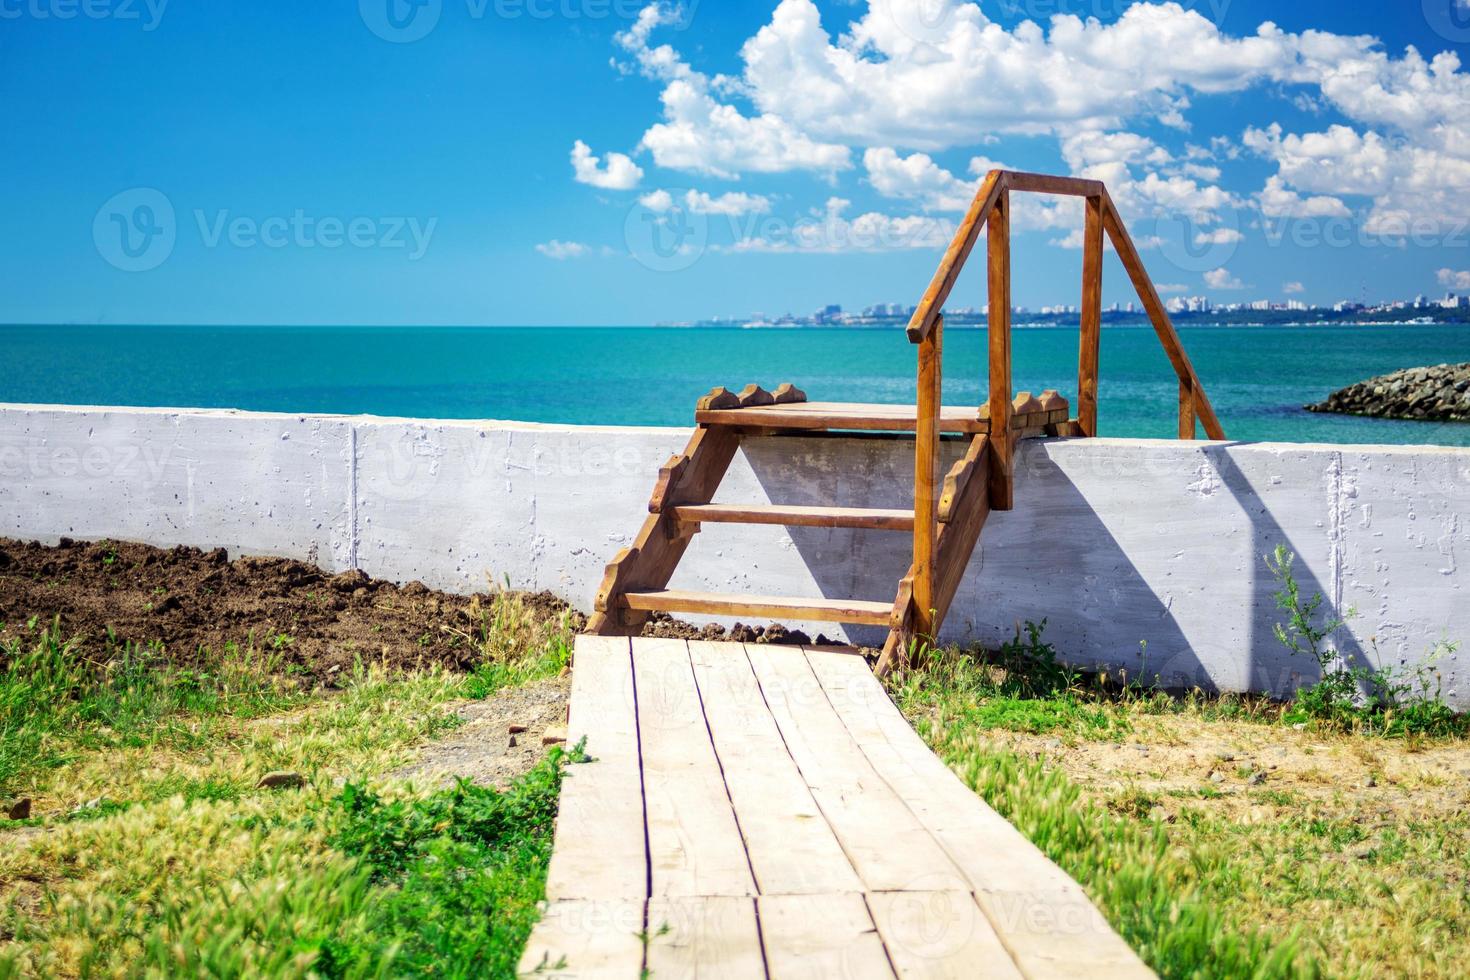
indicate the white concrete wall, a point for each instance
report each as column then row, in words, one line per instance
column 1114, row 542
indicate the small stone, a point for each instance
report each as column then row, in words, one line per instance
column 1370, row 782
column 1300, row 726
column 1217, row 777
column 1363, row 851
column 19, row 810
column 1225, row 756
column 517, row 729
column 281, row 780
column 555, row 735
column 1257, row 779
column 512, row 743
column 1053, row 743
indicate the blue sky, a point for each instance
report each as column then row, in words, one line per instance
column 287, row 163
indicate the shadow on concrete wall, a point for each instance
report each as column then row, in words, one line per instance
column 1061, row 562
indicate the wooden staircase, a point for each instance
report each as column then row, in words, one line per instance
column 948, row 514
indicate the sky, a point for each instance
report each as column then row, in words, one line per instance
column 613, row 162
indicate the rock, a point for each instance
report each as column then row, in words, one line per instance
column 512, row 743
column 1256, row 779
column 1370, row 782
column 281, row 780
column 19, row 810
column 1217, row 777
column 1440, row 393
column 555, row 735
column 1053, row 743
column 517, row 729
column 1225, row 756
column 1363, row 851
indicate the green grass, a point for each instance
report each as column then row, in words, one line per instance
column 153, row 852
column 60, row 698
column 1307, row 874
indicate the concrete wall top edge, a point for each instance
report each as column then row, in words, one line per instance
column 516, row 425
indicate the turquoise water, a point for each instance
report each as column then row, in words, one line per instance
column 1257, row 377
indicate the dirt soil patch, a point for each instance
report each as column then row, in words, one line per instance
column 503, row 737
column 316, row 622
column 1250, row 773
column 188, row 599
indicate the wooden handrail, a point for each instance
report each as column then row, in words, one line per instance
column 954, row 257
column 988, row 206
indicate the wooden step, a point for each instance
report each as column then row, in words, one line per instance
column 841, row 415
column 789, row 515
column 860, row 611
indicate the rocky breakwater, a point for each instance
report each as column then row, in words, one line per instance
column 1432, row 394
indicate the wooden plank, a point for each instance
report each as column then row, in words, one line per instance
column 1059, row 934
column 656, row 551
column 792, row 849
column 798, row 515
column 880, row 835
column 927, row 312
column 599, row 852
column 821, row 937
column 1043, row 916
column 1049, row 184
column 939, row 935
column 862, row 611
column 1186, row 411
column 709, row 938
column 1158, row 316
column 1090, row 343
column 988, row 851
column 841, row 415
column 926, row 476
column 584, row 940
column 1000, row 353
column 694, row 842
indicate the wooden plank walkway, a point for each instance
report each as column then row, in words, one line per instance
column 765, row 811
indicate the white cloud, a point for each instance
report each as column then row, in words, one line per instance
column 1222, row 279
column 1277, row 202
column 911, row 77
column 917, row 178
column 732, row 204
column 1452, row 279
column 556, row 249
column 829, row 230
column 1220, row 236
column 620, row 173
column 1292, row 288
column 659, row 200
column 704, row 135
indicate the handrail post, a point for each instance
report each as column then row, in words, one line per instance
column 926, row 477
column 1186, row 409
column 1087, row 355
column 999, row 248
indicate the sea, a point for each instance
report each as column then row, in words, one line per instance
column 1259, row 378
